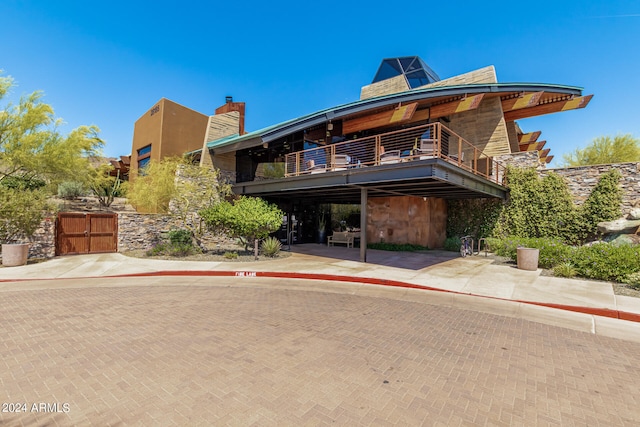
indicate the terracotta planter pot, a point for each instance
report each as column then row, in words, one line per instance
column 14, row 254
column 528, row 258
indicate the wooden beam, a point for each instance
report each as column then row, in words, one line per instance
column 448, row 108
column 544, row 153
column 551, row 107
column 533, row 146
column 525, row 101
column 398, row 115
column 525, row 138
column 548, row 159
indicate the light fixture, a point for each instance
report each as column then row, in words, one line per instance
column 265, row 145
column 329, row 125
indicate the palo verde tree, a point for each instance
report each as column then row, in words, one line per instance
column 605, row 150
column 34, row 155
column 32, row 148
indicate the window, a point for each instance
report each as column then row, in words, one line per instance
column 144, row 150
column 144, row 156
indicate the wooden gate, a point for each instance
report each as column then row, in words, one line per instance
column 86, row 233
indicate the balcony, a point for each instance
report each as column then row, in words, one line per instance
column 432, row 141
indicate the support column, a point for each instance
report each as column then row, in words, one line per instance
column 363, row 224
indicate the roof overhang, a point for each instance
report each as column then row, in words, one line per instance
column 531, row 93
column 424, row 178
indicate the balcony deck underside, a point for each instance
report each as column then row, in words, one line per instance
column 424, row 178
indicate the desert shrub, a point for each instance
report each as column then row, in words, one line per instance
column 603, row 204
column 633, row 280
column 452, row 244
column 397, row 247
column 536, row 207
column 603, row 261
column 182, row 249
column 231, row 255
column 22, row 183
column 566, row 269
column 476, row 217
column 180, row 237
column 175, row 249
column 271, row 247
column 70, row 190
column 159, row 249
column 552, row 251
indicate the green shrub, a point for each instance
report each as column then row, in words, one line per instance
column 159, row 249
column 603, row 261
column 271, row 247
column 182, row 249
column 476, row 217
column 70, row 190
column 180, row 237
column 171, row 249
column 452, row 244
column 552, row 251
column 633, row 280
column 566, row 269
column 397, row 247
column 231, row 255
column 603, row 204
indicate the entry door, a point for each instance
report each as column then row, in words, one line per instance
column 84, row 233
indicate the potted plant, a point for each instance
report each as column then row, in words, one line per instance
column 21, row 212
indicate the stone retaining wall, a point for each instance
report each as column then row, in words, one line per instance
column 582, row 179
column 138, row 231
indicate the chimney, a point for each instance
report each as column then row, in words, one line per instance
column 229, row 106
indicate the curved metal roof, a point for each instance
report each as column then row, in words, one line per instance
column 298, row 124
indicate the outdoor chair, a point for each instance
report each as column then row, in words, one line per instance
column 454, row 157
column 427, row 149
column 342, row 237
column 388, row 157
column 341, row 162
column 311, row 167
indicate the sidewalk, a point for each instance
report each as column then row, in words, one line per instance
column 444, row 271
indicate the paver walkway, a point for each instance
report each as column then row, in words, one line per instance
column 217, row 351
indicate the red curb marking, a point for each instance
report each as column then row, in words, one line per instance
column 603, row 312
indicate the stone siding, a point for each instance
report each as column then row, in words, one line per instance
column 138, row 231
column 395, row 84
column 583, row 179
column 482, row 75
column 484, row 127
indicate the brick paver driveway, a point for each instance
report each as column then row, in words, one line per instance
column 196, row 354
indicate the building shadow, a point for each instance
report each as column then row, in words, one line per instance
column 405, row 260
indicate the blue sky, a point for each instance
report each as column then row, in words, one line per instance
column 107, row 63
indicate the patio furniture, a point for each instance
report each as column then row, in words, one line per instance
column 454, row 157
column 341, row 237
column 389, row 157
column 427, row 149
column 311, row 167
column 340, row 162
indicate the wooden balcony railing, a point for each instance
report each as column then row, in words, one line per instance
column 418, row 143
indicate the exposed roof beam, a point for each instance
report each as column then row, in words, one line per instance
column 522, row 101
column 548, row 107
column 400, row 114
column 544, row 153
column 533, row 146
column 441, row 110
column 548, row 159
column 525, row 138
